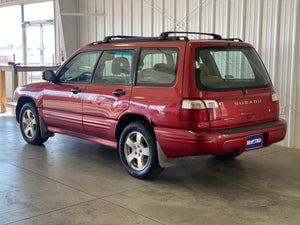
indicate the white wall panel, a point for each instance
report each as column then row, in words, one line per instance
column 194, row 15
column 4, row 3
column 222, row 17
column 272, row 26
column 67, row 26
column 92, row 20
column 287, row 72
column 252, row 22
column 147, row 18
column 100, row 20
column 169, row 15
column 158, row 16
column 137, row 19
column 118, row 16
column 207, row 18
column 181, row 15
column 127, row 18
column 236, row 19
column 295, row 101
column 109, row 17
column 269, row 24
column 84, row 31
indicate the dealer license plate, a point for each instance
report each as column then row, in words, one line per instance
column 254, row 141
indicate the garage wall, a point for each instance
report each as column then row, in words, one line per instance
column 4, row 3
column 272, row 26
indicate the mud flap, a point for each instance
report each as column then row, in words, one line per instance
column 44, row 132
column 162, row 159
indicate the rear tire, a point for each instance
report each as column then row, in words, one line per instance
column 138, row 151
column 30, row 125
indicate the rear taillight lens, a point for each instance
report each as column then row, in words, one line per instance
column 275, row 103
column 200, row 110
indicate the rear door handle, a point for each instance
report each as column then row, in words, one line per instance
column 76, row 90
column 119, row 92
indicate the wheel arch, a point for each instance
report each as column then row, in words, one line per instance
column 130, row 118
column 22, row 101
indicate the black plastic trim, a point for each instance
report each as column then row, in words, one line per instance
column 164, row 36
column 233, row 39
column 260, row 126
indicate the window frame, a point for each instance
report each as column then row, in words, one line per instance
column 62, row 69
column 156, row 84
column 211, row 64
column 132, row 69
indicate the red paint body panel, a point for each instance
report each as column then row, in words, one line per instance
column 94, row 112
column 98, row 140
column 179, row 143
column 101, row 109
column 61, row 107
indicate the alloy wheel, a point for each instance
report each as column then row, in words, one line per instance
column 136, row 151
column 29, row 123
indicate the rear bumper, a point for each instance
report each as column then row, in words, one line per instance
column 179, row 143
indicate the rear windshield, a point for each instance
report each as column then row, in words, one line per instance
column 229, row 68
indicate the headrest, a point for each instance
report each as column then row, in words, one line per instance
column 120, row 65
column 203, row 70
column 162, row 67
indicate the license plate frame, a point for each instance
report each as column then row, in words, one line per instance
column 254, row 141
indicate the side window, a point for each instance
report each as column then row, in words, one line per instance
column 114, row 67
column 157, row 67
column 80, row 68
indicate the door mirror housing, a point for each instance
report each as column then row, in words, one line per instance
column 48, row 75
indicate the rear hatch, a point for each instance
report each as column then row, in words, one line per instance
column 247, row 107
column 234, row 88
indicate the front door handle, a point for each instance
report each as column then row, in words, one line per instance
column 119, row 92
column 76, row 90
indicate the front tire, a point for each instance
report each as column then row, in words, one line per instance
column 138, row 151
column 30, row 125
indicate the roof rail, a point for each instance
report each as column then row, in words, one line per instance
column 165, row 35
column 109, row 38
column 94, row 43
column 233, row 39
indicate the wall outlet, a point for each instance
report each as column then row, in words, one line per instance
column 282, row 110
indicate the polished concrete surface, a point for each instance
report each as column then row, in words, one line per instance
column 73, row 181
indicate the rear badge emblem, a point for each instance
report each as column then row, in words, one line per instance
column 228, row 120
column 255, row 101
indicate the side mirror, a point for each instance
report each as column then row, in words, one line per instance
column 48, row 75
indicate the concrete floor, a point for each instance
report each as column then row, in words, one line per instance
column 72, row 181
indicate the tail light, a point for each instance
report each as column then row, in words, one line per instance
column 200, row 110
column 275, row 103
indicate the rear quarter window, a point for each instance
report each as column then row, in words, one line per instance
column 157, row 67
column 229, row 68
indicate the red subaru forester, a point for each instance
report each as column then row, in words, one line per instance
column 155, row 99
